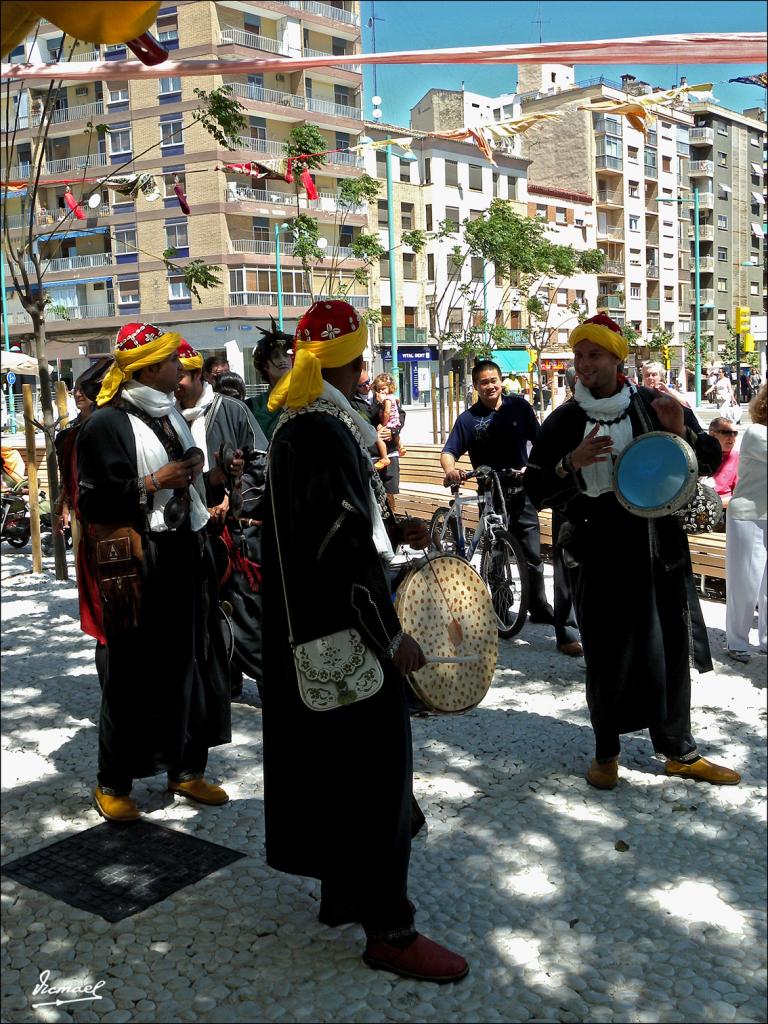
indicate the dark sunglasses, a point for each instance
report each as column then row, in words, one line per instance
column 364, row 384
column 728, row 433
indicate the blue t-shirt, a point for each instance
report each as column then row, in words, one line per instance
column 495, row 437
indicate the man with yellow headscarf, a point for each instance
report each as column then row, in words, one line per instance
column 631, row 576
column 338, row 795
column 165, row 696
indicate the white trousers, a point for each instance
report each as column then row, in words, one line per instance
column 746, row 582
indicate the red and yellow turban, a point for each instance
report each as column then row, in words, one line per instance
column 189, row 357
column 330, row 334
column 137, row 346
column 604, row 332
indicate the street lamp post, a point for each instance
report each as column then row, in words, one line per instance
column 696, row 285
column 392, row 268
column 7, row 341
column 279, row 270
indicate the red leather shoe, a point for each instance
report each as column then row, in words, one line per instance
column 423, row 959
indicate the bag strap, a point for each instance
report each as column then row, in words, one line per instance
column 642, row 413
column 212, row 410
column 270, row 481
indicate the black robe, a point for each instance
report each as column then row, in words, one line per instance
column 232, row 422
column 633, row 590
column 338, row 783
column 166, row 684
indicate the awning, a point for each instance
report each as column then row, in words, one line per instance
column 11, row 192
column 82, row 280
column 82, row 233
column 511, row 360
column 758, row 198
column 757, row 169
column 757, row 229
column 18, row 362
column 725, row 188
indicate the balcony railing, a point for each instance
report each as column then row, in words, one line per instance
column 261, row 247
column 356, row 68
column 253, row 40
column 701, row 136
column 515, row 336
column 56, row 266
column 610, row 302
column 326, row 11
column 327, row 202
column 651, row 170
column 609, row 163
column 334, row 109
column 608, row 125
column 87, row 55
column 613, row 267
column 652, row 304
column 614, row 231
column 254, row 145
column 701, row 167
column 75, row 163
column 706, row 264
column 259, row 95
column 706, row 200
column 300, row 299
column 61, row 314
column 610, row 198
column 706, row 232
column 707, row 296
column 652, row 271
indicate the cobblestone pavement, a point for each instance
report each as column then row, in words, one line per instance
column 519, row 870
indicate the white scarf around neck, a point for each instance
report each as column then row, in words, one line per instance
column 151, row 455
column 599, row 476
column 195, row 417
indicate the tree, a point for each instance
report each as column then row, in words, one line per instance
column 219, row 114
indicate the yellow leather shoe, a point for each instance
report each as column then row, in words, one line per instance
column 115, row 808
column 603, row 776
column 200, row 791
column 704, row 771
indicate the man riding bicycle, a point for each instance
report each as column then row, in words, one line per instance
column 495, row 432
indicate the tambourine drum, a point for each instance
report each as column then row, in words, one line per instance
column 432, row 598
column 656, row 474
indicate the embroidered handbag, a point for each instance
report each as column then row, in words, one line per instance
column 703, row 512
column 335, row 670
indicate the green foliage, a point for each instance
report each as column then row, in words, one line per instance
column 170, row 254
column 222, row 116
column 367, row 248
column 356, row 191
column 102, row 130
column 416, row 239
column 371, row 316
column 630, row 334
column 197, row 275
column 305, row 238
column 659, row 338
column 305, row 140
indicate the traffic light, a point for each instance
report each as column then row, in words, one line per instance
column 533, row 354
column 743, row 320
column 665, row 356
column 749, row 344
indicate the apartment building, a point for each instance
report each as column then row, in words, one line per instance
column 441, row 181
column 636, row 181
column 727, row 167
column 107, row 269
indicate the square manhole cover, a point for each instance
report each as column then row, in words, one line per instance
column 119, row 870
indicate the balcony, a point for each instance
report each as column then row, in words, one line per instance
column 334, row 109
column 326, row 11
column 516, row 336
column 652, row 271
column 706, row 200
column 609, row 164
column 327, row 202
column 249, row 144
column 701, row 136
column 706, row 232
column 57, row 266
column 355, row 68
column 87, row 56
column 614, row 232
column 412, row 335
column 612, row 268
column 706, row 264
column 300, row 299
column 257, row 94
column 252, row 40
column 611, row 301
column 701, row 168
column 652, row 304
column 651, row 170
column 608, row 126
column 259, row 247
column 62, row 314
column 651, row 208
column 707, row 297
column 75, row 163
column 45, row 218
column 608, row 197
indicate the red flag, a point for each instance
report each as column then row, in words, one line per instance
column 306, row 180
column 182, row 199
column 73, row 204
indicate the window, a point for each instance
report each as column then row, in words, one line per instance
column 176, row 236
column 451, row 172
column 168, row 28
column 384, row 266
column 476, row 215
column 541, row 211
column 633, row 153
column 428, row 216
column 562, row 296
column 170, row 85
column 634, row 189
column 455, row 320
column 511, row 188
column 452, row 215
column 81, row 90
column 722, row 254
column 427, row 171
column 171, row 133
column 669, row 293
column 722, row 159
column 496, row 180
column 117, row 92
column 120, row 142
column 177, row 290
column 634, row 291
column 666, row 163
column 405, row 169
column 722, row 284
column 722, row 222
column 381, row 164
column 475, row 178
column 383, row 220
column 406, row 216
column 341, row 96
column 560, row 215
column 722, row 316
column 722, row 128
column 128, row 293
column 124, row 240
column 634, row 223
column 409, row 266
column 476, row 267
column 430, row 266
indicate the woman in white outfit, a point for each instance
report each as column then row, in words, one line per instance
column 746, row 537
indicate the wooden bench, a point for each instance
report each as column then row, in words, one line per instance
column 422, row 493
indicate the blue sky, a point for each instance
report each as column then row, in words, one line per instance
column 433, row 24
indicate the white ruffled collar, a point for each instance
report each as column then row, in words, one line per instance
column 602, row 409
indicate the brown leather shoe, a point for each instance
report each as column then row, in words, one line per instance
column 423, row 959
column 603, row 776
column 200, row 791
column 571, row 650
column 704, row 771
column 115, row 808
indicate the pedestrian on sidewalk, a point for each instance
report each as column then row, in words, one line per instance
column 338, row 786
column 635, row 615
column 165, row 699
column 271, row 360
column 746, row 537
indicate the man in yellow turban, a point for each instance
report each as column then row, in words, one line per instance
column 338, row 796
column 631, row 578
column 165, row 691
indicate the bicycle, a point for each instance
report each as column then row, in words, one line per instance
column 503, row 563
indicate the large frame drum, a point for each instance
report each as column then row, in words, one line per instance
column 655, row 475
column 431, row 600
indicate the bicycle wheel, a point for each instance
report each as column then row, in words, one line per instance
column 445, row 540
column 504, row 570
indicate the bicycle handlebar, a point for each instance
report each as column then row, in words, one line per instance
column 483, row 472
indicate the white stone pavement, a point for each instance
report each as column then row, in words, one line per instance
column 519, row 870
